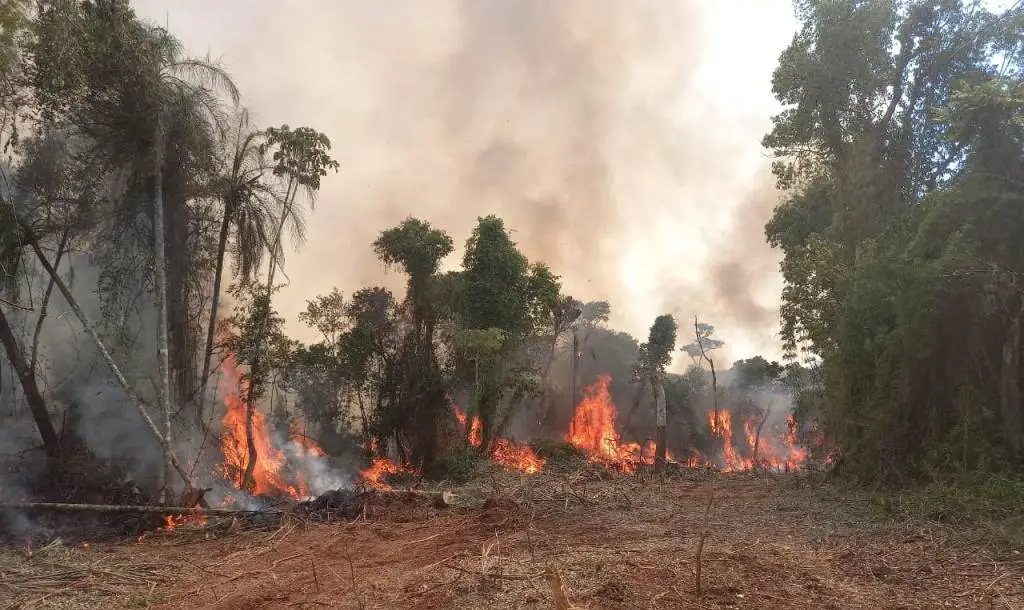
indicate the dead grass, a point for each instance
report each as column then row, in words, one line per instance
column 604, row 541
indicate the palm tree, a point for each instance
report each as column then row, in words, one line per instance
column 153, row 117
column 248, row 205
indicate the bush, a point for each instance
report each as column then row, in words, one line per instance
column 982, row 509
column 457, row 466
column 557, row 451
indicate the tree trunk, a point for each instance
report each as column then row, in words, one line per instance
column 46, row 302
column 248, row 483
column 760, row 426
column 1010, row 394
column 211, row 329
column 27, row 376
column 163, row 350
column 660, row 451
column 33, row 241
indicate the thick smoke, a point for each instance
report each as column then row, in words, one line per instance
column 607, row 135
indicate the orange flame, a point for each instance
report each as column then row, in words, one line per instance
column 773, row 453
column 269, row 472
column 593, row 428
column 511, row 455
column 379, row 467
column 173, row 522
column 516, row 456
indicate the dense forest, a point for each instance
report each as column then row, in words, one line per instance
column 145, row 219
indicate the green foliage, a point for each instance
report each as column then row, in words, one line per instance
column 456, row 466
column 300, row 154
column 756, row 372
column 502, row 301
column 656, row 354
column 558, row 452
column 901, row 234
column 327, row 315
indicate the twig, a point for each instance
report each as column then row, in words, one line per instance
column 700, row 545
column 502, row 577
column 554, row 578
column 316, row 580
column 15, row 305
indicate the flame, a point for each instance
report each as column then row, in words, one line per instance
column 774, row 451
column 511, row 455
column 173, row 522
column 476, row 437
column 516, row 456
column 272, row 466
column 593, row 428
column 379, row 467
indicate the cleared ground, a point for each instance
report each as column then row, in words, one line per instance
column 618, row 542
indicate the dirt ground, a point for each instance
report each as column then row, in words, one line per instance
column 782, row 542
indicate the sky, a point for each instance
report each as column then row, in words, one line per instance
column 619, row 140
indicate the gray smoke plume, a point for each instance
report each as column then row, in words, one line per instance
column 614, row 138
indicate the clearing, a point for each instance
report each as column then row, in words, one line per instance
column 776, row 541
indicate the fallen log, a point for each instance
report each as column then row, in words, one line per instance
column 446, row 498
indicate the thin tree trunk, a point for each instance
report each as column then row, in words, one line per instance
column 33, row 241
column 46, row 302
column 661, row 434
column 760, row 426
column 163, row 349
column 248, row 483
column 211, row 329
column 1010, row 393
column 27, row 376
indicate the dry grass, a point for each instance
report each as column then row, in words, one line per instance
column 583, row 539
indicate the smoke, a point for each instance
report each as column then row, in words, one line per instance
column 617, row 140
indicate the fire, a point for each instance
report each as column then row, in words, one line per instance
column 516, row 456
column 476, row 436
column 511, row 455
column 379, row 467
column 593, row 428
column 173, row 522
column 269, row 472
column 773, row 452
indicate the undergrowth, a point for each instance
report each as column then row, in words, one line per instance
column 979, row 509
column 558, row 452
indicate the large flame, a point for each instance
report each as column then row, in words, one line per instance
column 272, row 468
column 593, row 428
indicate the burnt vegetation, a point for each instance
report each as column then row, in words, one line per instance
column 143, row 229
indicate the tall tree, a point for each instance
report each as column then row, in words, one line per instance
column 248, row 206
column 654, row 356
column 413, row 412
column 505, row 296
column 898, row 146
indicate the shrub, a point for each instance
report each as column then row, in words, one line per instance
column 457, row 466
column 557, row 451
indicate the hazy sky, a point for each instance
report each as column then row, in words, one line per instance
column 619, row 139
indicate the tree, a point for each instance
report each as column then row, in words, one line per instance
column 413, row 411
column 899, row 143
column 258, row 342
column 655, row 355
column 700, row 350
column 505, row 297
column 248, row 205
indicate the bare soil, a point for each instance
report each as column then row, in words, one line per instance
column 782, row 542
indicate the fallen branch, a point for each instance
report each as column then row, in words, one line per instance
column 33, row 241
column 700, row 544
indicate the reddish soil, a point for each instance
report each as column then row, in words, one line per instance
column 781, row 543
